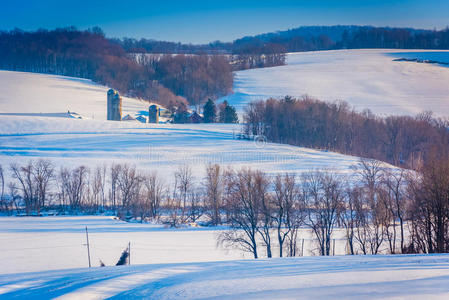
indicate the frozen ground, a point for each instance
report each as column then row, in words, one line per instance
column 338, row 277
column 363, row 78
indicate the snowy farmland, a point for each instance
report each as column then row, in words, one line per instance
column 34, row 124
column 35, row 244
column 186, row 264
column 161, row 148
column 363, row 78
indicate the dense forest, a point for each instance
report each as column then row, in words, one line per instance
column 400, row 140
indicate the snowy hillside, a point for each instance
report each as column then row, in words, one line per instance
column 30, row 94
column 363, row 78
column 338, row 277
column 29, row 129
column 161, row 148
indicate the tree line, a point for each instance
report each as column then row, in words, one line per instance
column 377, row 207
column 313, row 38
column 404, row 141
column 305, row 38
column 168, row 80
column 241, row 56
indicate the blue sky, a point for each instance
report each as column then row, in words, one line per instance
column 205, row 21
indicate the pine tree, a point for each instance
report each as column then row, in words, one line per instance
column 209, row 112
column 227, row 113
column 181, row 115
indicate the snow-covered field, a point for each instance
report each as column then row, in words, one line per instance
column 161, row 148
column 30, row 94
column 31, row 244
column 363, row 78
column 46, row 257
column 337, row 277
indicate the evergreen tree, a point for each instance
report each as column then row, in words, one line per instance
column 181, row 115
column 227, row 113
column 209, row 112
column 123, row 258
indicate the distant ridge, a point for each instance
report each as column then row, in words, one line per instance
column 305, row 38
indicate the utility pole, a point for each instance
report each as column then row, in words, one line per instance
column 88, row 250
column 129, row 253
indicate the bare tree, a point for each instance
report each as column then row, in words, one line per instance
column 24, row 175
column 371, row 209
column 348, row 216
column 74, row 183
column 100, row 186
column 183, row 186
column 213, row 192
column 196, row 205
column 363, row 225
column 128, row 182
column 324, row 198
column 288, row 212
column 154, row 193
column 14, row 195
column 174, row 207
column 115, row 170
column 43, row 173
column 261, row 184
column 430, row 204
column 244, row 212
column 97, row 183
column 393, row 195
